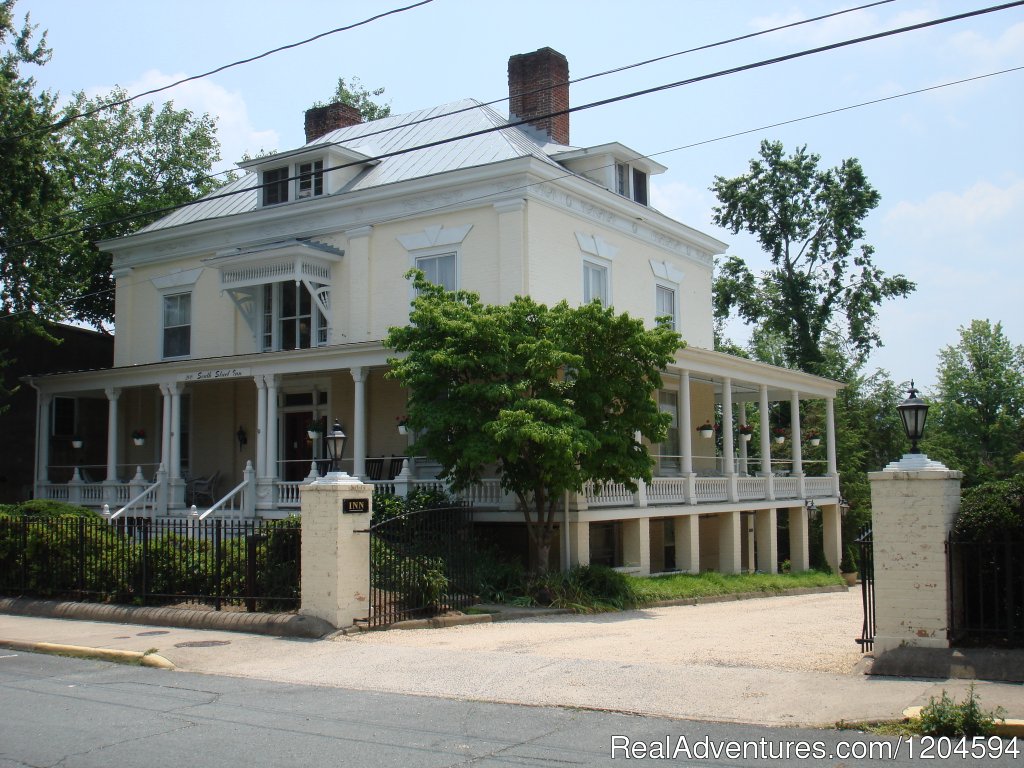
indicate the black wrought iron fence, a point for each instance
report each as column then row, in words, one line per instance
column 250, row 563
column 866, row 568
column 421, row 564
column 986, row 587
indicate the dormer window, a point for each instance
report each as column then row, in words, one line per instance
column 311, row 179
column 631, row 182
column 275, row 186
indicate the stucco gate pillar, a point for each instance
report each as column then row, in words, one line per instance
column 914, row 502
column 336, row 549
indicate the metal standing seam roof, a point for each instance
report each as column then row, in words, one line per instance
column 387, row 135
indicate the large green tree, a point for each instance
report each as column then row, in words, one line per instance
column 355, row 95
column 122, row 164
column 823, row 287
column 545, row 397
column 977, row 423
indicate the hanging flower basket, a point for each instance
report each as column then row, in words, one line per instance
column 746, row 432
column 139, row 437
column 314, row 429
column 779, row 433
column 813, row 437
column 403, row 424
column 706, row 430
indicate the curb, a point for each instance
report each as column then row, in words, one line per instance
column 275, row 624
column 85, row 652
column 1012, row 729
column 795, row 591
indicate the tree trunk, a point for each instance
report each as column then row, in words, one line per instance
column 541, row 554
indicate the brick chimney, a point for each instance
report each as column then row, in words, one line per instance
column 538, row 84
column 321, row 120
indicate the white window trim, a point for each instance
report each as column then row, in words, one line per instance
column 668, row 286
column 430, row 253
column 164, row 295
column 318, row 320
column 605, row 264
column 290, row 185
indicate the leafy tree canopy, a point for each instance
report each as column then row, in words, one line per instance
column 85, row 172
column 546, row 398
column 976, row 425
column 355, row 95
column 823, row 286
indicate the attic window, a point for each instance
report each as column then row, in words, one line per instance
column 311, row 179
column 275, row 186
column 631, row 182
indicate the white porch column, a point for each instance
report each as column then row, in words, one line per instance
column 685, row 423
column 113, row 393
column 165, row 428
column 728, row 446
column 272, row 448
column 798, row 443
column 261, row 426
column 743, row 468
column 175, row 390
column 830, row 442
column 766, row 534
column 766, row 443
column 359, row 427
column 729, row 543
column 44, row 403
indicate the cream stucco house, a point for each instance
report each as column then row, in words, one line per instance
column 245, row 318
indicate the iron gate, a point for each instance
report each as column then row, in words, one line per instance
column 421, row 564
column 986, row 593
column 866, row 568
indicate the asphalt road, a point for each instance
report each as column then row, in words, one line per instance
column 77, row 713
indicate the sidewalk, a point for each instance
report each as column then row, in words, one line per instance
column 773, row 661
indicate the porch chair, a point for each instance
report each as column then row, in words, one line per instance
column 375, row 468
column 205, row 488
column 395, row 468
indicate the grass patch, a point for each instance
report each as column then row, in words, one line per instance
column 679, row 586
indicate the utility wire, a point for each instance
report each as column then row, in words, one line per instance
column 569, row 110
column 69, row 118
column 291, row 153
column 703, row 142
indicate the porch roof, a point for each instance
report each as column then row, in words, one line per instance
column 747, row 375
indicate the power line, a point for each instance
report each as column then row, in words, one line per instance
column 287, row 154
column 70, row 118
column 569, row 110
column 703, row 142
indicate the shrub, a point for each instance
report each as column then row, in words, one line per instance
column 50, row 508
column 992, row 512
column 947, row 718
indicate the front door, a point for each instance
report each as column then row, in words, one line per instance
column 298, row 448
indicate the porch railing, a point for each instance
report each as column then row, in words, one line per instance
column 147, row 503
column 667, row 490
column 239, row 501
column 607, row 494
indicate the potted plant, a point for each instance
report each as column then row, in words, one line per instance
column 314, row 429
column 706, row 430
column 779, row 433
column 403, row 424
column 139, row 436
column 848, row 566
column 813, row 436
column 76, row 442
column 746, row 430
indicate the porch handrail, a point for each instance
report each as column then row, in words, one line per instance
column 149, row 494
column 238, row 490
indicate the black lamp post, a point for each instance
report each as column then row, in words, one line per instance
column 913, row 413
column 336, row 440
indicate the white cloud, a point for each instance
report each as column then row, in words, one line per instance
column 844, row 27
column 235, row 131
column 947, row 214
column 1004, row 50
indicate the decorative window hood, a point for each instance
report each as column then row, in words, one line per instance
column 299, row 260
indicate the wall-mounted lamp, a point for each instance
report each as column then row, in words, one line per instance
column 241, row 436
column 812, row 508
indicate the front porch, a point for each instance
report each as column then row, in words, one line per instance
column 243, row 428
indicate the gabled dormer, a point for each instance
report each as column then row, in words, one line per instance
column 313, row 171
column 615, row 167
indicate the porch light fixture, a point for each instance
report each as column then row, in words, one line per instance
column 336, row 440
column 241, row 436
column 913, row 413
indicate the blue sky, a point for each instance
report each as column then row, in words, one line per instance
column 949, row 164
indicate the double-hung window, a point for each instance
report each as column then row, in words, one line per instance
column 275, row 186
column 177, row 325
column 441, row 270
column 291, row 319
column 595, row 282
column 631, row 182
column 665, row 304
column 311, row 179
